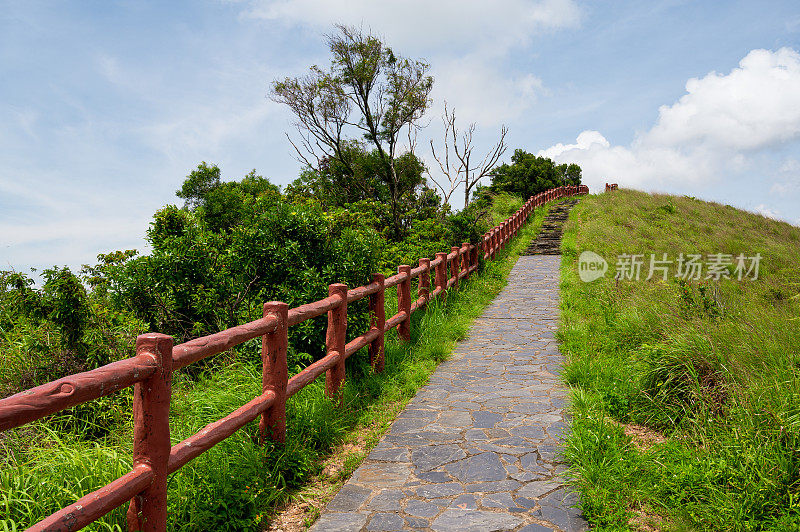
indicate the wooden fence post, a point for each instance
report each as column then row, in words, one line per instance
column 441, row 273
column 377, row 311
column 335, row 339
column 404, row 302
column 465, row 259
column 424, row 289
column 275, row 373
column 454, row 266
column 151, row 444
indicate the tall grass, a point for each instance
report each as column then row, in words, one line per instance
column 711, row 366
column 238, row 483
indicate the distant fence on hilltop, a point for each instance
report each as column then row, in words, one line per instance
column 150, row 372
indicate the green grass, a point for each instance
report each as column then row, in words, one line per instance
column 237, row 484
column 710, row 365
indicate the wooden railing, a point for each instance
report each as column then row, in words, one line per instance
column 150, row 372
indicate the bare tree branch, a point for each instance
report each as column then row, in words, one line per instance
column 461, row 171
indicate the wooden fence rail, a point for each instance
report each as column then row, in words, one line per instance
column 150, row 373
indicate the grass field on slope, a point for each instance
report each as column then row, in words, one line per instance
column 686, row 393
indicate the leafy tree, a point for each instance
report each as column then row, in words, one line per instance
column 199, row 183
column 199, row 280
column 66, row 304
column 527, row 175
column 222, row 204
column 368, row 91
column 333, row 187
column 95, row 276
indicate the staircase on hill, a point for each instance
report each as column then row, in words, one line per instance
column 549, row 240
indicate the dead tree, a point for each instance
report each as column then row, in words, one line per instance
column 457, row 160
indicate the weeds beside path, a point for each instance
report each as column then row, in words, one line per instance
column 686, row 394
column 433, row 339
column 239, row 485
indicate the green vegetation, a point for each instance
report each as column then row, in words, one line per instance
column 353, row 119
column 706, row 370
column 362, row 207
column 235, row 485
column 527, row 175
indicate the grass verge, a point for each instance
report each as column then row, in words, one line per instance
column 686, row 396
column 239, row 485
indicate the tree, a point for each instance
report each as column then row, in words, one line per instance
column 368, row 90
column 527, row 175
column 463, row 168
column 221, row 204
column 199, row 183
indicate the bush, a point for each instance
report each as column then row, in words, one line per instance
column 197, row 281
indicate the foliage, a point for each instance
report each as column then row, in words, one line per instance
column 528, row 174
column 334, row 186
column 198, row 281
column 65, row 303
column 56, row 330
column 237, row 484
column 223, row 205
column 710, row 367
column 386, row 93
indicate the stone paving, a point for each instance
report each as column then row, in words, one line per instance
column 478, row 448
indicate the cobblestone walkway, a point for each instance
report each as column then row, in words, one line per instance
column 478, row 448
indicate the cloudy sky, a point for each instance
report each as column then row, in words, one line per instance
column 105, row 106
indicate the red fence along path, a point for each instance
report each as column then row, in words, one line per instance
column 150, row 373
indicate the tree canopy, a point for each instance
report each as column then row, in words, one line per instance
column 369, row 97
column 528, row 174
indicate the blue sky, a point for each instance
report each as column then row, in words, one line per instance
column 106, row 106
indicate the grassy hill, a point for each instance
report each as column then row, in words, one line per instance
column 686, row 391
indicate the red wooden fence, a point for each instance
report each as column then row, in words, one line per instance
column 150, row 372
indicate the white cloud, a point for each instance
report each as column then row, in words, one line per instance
column 755, row 106
column 788, row 178
column 480, row 93
column 422, row 24
column 202, row 130
column 713, row 130
column 587, row 140
column 763, row 210
column 470, row 39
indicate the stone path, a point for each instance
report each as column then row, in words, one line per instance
column 548, row 241
column 478, row 448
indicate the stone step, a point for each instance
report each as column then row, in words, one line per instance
column 548, row 242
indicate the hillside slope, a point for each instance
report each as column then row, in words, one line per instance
column 686, row 389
